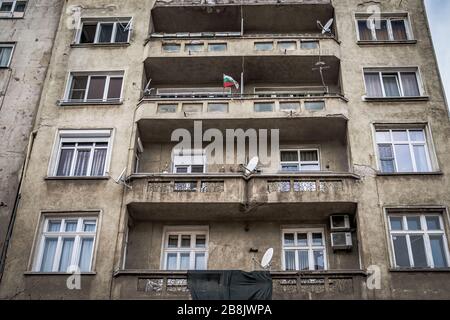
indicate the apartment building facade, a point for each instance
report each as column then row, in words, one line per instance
column 354, row 202
column 25, row 49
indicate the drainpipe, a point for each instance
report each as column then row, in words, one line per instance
column 16, row 205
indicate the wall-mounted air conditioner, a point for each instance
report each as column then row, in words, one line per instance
column 341, row 240
column 339, row 222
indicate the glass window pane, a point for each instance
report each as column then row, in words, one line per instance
column 309, row 155
column 66, row 254
column 288, row 106
column 192, row 107
column 197, row 169
column 20, row 6
column 121, row 34
column 438, row 251
column 171, row 47
column 308, row 45
column 399, row 30
column 54, row 225
column 365, row 34
column 319, row 260
column 413, row 223
column 418, row 251
column 71, row 226
column 217, row 107
column 172, row 241
column 303, row 260
column 287, row 45
column 381, row 30
column 373, row 85
column 410, row 85
column 420, row 156
column 288, row 239
column 309, row 167
column 78, row 87
column 5, row 55
column 115, row 88
column 82, row 162
column 217, row 47
column 289, row 167
column 264, row 106
column 48, row 255
column 289, row 260
column 386, row 157
column 89, row 226
column 433, row 223
column 317, row 239
column 86, row 254
column 289, row 156
column 96, row 88
column 98, row 163
column 105, row 32
column 391, row 88
column 167, row 108
column 401, row 251
column 383, row 136
column 171, row 261
column 88, row 33
column 193, row 47
column 302, row 239
column 396, row 223
column 200, row 261
column 263, row 46
column 6, row 6
column 417, row 135
column 181, row 169
column 185, row 241
column 314, row 105
column 404, row 160
column 200, row 241
column 184, row 261
column 65, row 162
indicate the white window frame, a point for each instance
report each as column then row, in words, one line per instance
column 424, row 232
column 405, row 19
column 78, row 235
column 200, row 153
column 398, row 73
column 13, row 8
column 97, row 30
column 410, row 144
column 299, row 162
column 309, row 247
column 8, row 45
column 77, row 136
column 193, row 231
column 108, row 75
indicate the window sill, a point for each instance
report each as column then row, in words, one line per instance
column 100, row 45
column 375, row 43
column 87, row 103
column 435, row 270
column 393, row 174
column 37, row 273
column 394, row 99
column 78, row 178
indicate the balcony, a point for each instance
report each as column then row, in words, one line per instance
column 343, row 284
column 238, row 16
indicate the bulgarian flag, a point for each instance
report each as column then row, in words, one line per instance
column 229, row 82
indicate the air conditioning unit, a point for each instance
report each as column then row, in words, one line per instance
column 341, row 240
column 339, row 222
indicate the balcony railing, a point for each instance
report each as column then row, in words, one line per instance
column 234, row 2
column 340, row 284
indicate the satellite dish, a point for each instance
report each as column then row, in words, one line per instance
column 251, row 166
column 327, row 27
column 267, row 258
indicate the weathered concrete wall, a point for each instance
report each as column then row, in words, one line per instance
column 20, row 91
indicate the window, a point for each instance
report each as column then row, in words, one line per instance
column 66, row 242
column 300, row 160
column 192, row 107
column 392, row 84
column 105, row 32
column 193, row 47
column 217, row 47
column 287, row 45
column 304, row 250
column 264, row 106
column 402, row 150
column 314, row 105
column 386, row 29
column 12, row 9
column 171, row 47
column 94, row 88
column 185, row 250
column 309, row 44
column 6, row 51
column 189, row 161
column 217, row 107
column 289, row 106
column 418, row 241
column 82, row 153
column 263, row 46
column 167, row 108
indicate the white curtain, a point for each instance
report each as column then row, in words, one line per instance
column 373, row 85
column 82, row 162
column 5, row 53
column 303, row 261
column 66, row 254
column 98, row 163
column 391, row 86
column 410, row 86
column 49, row 254
column 65, row 162
column 289, row 260
column 86, row 254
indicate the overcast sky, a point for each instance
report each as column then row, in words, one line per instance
column 439, row 17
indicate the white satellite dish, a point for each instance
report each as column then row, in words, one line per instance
column 251, row 166
column 327, row 27
column 267, row 258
